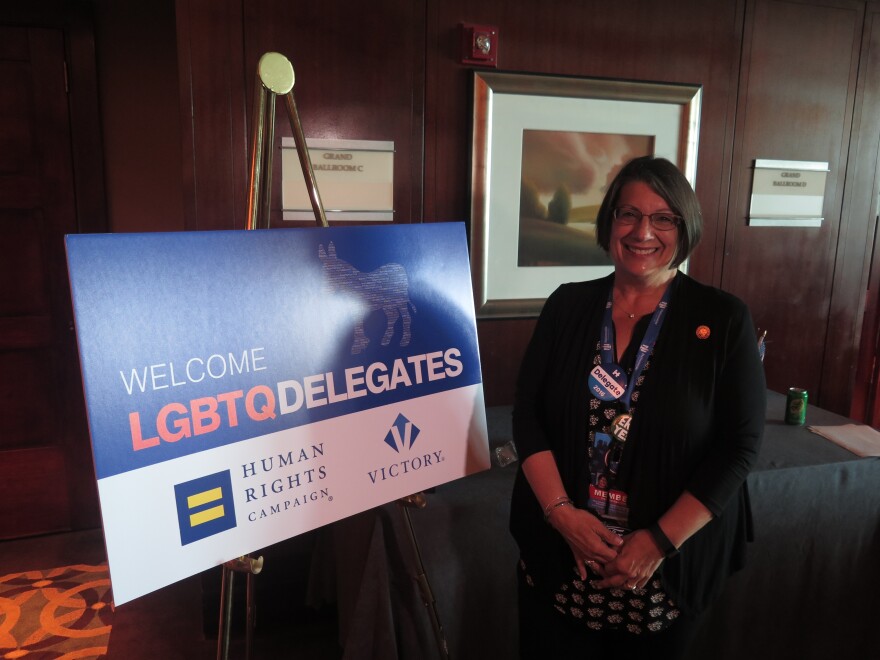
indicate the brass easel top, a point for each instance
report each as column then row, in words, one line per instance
column 276, row 73
column 275, row 77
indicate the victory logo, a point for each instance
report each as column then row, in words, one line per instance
column 402, row 434
column 401, row 437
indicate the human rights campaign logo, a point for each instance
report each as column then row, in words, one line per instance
column 204, row 506
column 402, row 434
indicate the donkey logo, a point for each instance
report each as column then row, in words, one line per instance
column 386, row 288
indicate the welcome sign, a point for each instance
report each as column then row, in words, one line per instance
column 244, row 387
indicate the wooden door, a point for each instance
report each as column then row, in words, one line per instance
column 45, row 461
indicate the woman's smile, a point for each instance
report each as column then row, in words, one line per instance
column 641, row 253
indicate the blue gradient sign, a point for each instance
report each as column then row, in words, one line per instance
column 247, row 386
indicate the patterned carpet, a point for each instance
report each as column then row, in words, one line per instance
column 60, row 614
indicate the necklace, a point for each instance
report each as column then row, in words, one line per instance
column 640, row 300
column 630, row 315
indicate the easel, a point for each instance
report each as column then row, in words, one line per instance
column 275, row 77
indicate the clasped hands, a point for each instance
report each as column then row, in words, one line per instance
column 626, row 562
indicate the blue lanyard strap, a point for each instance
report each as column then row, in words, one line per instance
column 645, row 348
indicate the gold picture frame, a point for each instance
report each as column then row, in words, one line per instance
column 522, row 123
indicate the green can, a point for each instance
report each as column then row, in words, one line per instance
column 796, row 406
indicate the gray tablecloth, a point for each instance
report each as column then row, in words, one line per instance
column 809, row 590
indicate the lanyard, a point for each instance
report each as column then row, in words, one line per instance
column 645, row 348
column 608, row 382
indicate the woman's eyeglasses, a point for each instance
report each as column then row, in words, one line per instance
column 627, row 215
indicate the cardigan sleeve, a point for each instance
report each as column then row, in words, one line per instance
column 739, row 411
column 528, row 430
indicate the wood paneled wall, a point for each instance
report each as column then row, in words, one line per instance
column 51, row 184
column 140, row 115
column 359, row 75
column 781, row 79
column 863, row 203
column 796, row 102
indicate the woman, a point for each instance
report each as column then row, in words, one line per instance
column 639, row 413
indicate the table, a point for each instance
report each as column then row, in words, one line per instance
column 809, row 589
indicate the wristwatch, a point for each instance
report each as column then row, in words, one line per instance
column 662, row 541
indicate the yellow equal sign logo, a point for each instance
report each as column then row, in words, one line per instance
column 201, row 499
column 205, row 506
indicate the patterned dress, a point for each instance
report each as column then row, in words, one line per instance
column 637, row 611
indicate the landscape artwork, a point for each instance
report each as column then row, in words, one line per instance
column 564, row 177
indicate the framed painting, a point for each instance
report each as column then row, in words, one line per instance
column 544, row 149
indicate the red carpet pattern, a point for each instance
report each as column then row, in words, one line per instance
column 60, row 614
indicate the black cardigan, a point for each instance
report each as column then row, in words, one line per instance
column 697, row 427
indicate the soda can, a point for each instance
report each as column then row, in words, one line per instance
column 796, row 406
